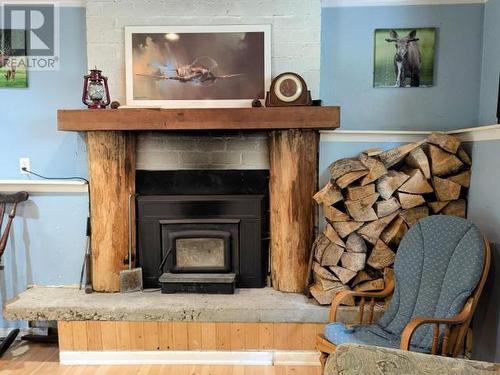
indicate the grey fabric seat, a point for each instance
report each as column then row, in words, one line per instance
column 438, row 264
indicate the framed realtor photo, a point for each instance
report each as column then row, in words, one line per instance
column 197, row 66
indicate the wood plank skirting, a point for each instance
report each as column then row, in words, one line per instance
column 181, row 336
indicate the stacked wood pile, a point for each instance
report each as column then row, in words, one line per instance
column 371, row 202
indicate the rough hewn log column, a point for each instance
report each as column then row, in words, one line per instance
column 111, row 156
column 293, row 158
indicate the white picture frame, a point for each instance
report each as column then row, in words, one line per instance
column 163, row 92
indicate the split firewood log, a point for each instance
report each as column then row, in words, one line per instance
column 376, row 168
column 455, row 208
column 446, row 142
column 349, row 178
column 394, row 232
column 330, row 194
column 442, row 162
column 353, row 261
column 410, row 200
column 319, row 246
column 462, row 178
column 332, row 214
column 371, row 231
column 361, row 209
column 416, row 184
column 360, row 192
column 436, row 207
column 373, row 151
column 445, row 189
column 345, row 228
column 381, row 256
column 391, row 157
column 326, row 284
column 356, row 244
column 331, row 255
column 370, row 286
column 361, row 277
column 323, row 272
column 332, row 235
column 387, row 207
column 412, row 215
column 344, row 166
column 343, row 274
column 325, row 297
column 418, row 159
column 390, row 182
column 464, row 156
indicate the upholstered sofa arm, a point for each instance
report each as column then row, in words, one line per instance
column 370, row 360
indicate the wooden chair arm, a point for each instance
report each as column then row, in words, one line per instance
column 461, row 318
column 339, row 297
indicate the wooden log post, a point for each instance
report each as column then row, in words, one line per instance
column 293, row 156
column 111, row 157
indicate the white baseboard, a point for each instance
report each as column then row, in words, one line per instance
column 247, row 358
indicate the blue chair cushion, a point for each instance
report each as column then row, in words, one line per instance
column 438, row 265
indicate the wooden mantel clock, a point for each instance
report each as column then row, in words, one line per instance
column 288, row 89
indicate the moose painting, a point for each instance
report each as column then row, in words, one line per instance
column 404, row 57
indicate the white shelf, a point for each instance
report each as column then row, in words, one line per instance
column 43, row 186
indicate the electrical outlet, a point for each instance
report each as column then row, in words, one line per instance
column 24, row 163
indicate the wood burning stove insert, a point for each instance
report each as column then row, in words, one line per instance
column 202, row 243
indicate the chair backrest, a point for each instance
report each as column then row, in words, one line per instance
column 438, row 265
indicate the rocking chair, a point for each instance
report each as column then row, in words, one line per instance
column 5, row 199
column 439, row 272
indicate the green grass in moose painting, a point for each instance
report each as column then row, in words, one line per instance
column 20, row 80
column 384, row 74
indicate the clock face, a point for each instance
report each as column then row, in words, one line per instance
column 288, row 88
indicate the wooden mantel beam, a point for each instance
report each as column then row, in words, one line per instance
column 196, row 119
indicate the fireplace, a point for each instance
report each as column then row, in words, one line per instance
column 204, row 243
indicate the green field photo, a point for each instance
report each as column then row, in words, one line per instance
column 17, row 80
column 401, row 42
column 13, row 62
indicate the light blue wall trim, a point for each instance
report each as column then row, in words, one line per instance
column 491, row 63
column 48, row 235
column 347, row 67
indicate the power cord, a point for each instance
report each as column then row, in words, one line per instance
column 75, row 178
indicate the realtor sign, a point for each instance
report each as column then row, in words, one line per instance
column 40, row 22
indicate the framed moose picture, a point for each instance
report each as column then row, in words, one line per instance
column 404, row 57
column 197, row 66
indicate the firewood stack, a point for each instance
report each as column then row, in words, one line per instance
column 371, row 201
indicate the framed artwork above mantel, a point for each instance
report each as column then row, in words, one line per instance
column 197, row 66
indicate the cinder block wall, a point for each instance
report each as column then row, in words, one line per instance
column 296, row 34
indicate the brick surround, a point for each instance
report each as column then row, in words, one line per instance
column 296, row 32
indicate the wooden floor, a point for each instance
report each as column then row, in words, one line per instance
column 41, row 359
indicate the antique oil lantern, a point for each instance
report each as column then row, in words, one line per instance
column 95, row 90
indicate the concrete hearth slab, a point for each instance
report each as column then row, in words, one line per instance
column 247, row 305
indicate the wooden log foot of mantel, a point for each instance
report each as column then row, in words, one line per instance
column 293, row 156
column 111, row 156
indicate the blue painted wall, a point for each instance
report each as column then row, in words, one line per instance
column 491, row 63
column 347, row 67
column 47, row 238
